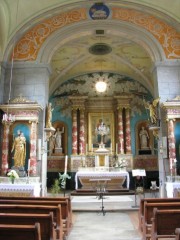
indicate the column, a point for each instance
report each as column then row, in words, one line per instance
column 120, row 132
column 33, row 142
column 5, row 146
column 74, row 132
column 172, row 146
column 128, row 131
column 82, row 133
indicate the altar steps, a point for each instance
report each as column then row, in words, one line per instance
column 86, row 192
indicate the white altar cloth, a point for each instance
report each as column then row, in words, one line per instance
column 20, row 189
column 103, row 175
column 170, row 187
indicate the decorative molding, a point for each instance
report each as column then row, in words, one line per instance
column 31, row 42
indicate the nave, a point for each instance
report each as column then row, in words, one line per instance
column 116, row 225
column 120, row 221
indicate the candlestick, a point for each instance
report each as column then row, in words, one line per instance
column 66, row 161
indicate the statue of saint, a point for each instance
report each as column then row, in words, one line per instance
column 19, row 148
column 58, row 138
column 51, row 144
column 49, row 116
column 152, row 110
column 144, row 136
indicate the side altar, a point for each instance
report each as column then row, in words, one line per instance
column 25, row 186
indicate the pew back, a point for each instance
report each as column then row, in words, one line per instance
column 42, row 209
column 46, row 222
column 148, row 214
column 164, row 223
column 64, row 221
column 20, row 232
column 151, row 200
column 67, row 199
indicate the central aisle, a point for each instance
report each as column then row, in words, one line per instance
column 111, row 226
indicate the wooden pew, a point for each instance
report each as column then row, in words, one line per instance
column 47, row 229
column 164, row 223
column 151, row 200
column 177, row 233
column 20, row 232
column 42, row 209
column 148, row 214
column 65, row 222
column 65, row 198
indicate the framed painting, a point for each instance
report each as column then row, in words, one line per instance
column 95, row 138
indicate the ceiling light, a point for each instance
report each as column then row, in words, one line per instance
column 101, row 86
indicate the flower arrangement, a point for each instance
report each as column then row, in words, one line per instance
column 121, row 163
column 12, row 175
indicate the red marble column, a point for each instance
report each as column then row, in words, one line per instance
column 74, row 132
column 120, row 132
column 128, row 131
column 5, row 146
column 171, row 140
column 33, row 142
column 82, row 133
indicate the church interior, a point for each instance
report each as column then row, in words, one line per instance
column 90, row 95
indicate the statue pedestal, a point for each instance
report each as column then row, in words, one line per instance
column 58, row 150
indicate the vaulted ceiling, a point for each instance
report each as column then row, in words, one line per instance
column 135, row 41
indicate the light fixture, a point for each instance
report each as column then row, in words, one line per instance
column 101, row 86
column 9, row 118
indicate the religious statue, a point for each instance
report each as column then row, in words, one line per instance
column 152, row 110
column 58, row 138
column 19, row 148
column 49, row 116
column 51, row 144
column 143, row 135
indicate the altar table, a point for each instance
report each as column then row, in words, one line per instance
column 117, row 178
column 26, row 190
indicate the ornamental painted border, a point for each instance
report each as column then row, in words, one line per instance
column 29, row 45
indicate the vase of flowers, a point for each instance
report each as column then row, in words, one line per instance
column 12, row 175
column 121, row 164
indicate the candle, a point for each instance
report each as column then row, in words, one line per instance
column 81, row 148
column 86, row 149
column 39, row 150
column 65, row 167
column 28, row 167
column 116, row 148
column 92, row 147
column 171, row 163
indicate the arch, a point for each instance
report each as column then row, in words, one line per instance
column 31, row 42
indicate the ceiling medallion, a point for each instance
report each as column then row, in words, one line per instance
column 100, row 49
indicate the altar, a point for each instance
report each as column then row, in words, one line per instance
column 116, row 179
column 24, row 187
